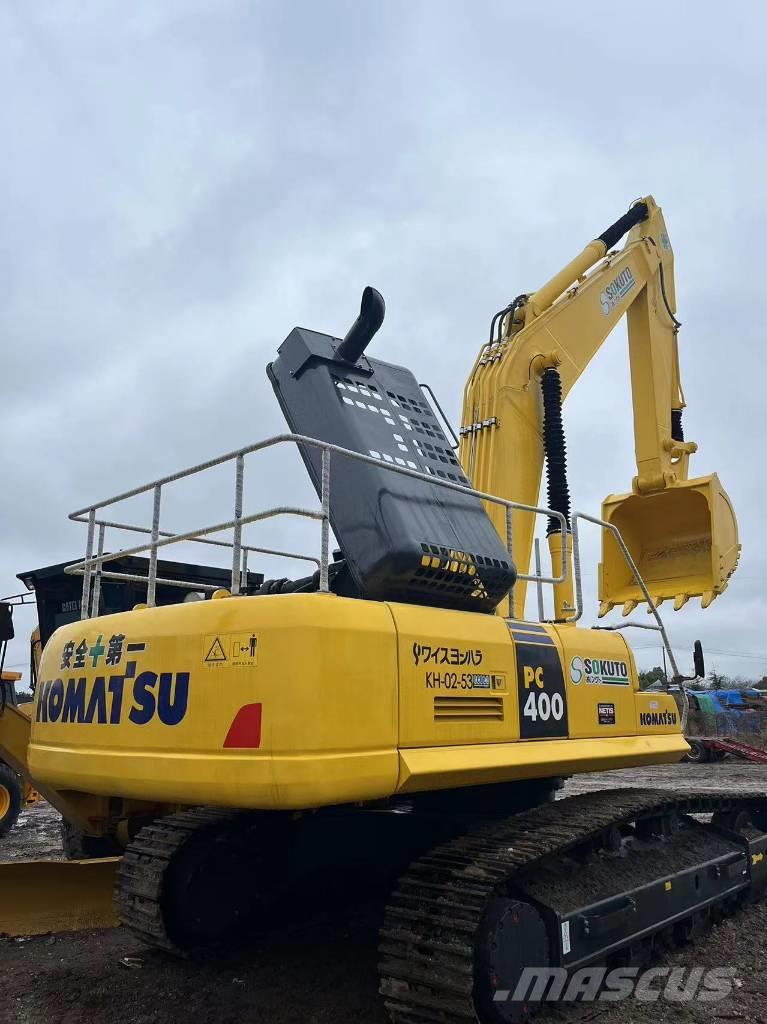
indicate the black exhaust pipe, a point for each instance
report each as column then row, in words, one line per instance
column 360, row 334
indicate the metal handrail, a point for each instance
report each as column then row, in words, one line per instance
column 160, row 538
column 652, row 607
column 25, row 597
column 84, row 567
column 133, row 528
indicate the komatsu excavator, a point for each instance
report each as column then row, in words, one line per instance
column 396, row 705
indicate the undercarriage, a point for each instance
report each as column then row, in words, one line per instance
column 600, row 878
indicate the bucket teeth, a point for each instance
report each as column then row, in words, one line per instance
column 683, row 540
column 604, row 608
column 628, row 607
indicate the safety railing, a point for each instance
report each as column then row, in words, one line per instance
column 651, row 606
column 25, row 597
column 92, row 566
column 93, row 571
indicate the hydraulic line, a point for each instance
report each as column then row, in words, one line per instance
column 555, row 450
column 666, row 303
column 3, row 651
column 496, row 324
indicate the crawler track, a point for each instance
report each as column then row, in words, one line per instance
column 434, row 920
column 140, row 881
column 434, row 916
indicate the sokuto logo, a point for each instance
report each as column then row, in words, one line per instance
column 598, row 672
column 616, row 290
column 576, row 671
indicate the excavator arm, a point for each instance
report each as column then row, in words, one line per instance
column 681, row 532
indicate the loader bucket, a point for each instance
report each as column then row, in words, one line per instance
column 684, row 541
column 42, row 896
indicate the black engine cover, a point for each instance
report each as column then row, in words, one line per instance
column 403, row 539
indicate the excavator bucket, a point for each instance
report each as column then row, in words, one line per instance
column 684, row 541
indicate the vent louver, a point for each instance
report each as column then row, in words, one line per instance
column 468, row 709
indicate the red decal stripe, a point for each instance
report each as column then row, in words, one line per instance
column 245, row 730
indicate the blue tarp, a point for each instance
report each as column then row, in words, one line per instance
column 719, row 700
column 724, row 711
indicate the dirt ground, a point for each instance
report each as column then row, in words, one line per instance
column 321, row 966
column 35, row 836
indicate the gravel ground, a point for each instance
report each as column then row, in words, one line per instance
column 35, row 836
column 319, row 966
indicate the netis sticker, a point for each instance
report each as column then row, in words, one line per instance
column 606, row 714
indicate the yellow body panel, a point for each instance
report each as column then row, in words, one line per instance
column 348, row 704
column 432, row 666
column 448, row 767
column 325, row 674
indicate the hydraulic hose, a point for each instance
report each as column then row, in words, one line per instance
column 677, row 432
column 555, row 450
column 3, row 698
column 612, row 235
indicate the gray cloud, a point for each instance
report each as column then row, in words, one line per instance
column 182, row 183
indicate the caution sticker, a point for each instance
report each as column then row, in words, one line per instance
column 230, row 650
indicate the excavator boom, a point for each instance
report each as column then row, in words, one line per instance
column 681, row 532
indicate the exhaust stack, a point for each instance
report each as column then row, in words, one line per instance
column 360, row 334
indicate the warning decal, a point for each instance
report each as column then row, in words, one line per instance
column 230, row 650
column 216, row 652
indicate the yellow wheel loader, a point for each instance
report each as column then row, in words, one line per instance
column 11, row 798
column 394, row 710
column 15, row 791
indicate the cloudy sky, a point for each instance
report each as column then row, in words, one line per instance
column 183, row 182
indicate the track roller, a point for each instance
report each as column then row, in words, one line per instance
column 601, row 878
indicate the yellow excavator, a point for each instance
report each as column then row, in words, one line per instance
column 395, row 709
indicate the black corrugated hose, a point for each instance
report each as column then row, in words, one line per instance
column 555, row 450
column 677, row 433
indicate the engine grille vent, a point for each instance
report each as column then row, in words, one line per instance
column 458, row 572
column 468, row 709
